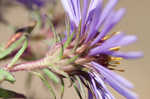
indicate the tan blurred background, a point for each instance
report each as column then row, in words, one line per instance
column 136, row 22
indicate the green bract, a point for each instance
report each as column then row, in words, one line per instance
column 4, row 75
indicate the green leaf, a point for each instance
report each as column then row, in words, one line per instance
column 83, row 92
column 19, row 53
column 4, row 75
column 62, row 88
column 71, row 60
column 69, row 39
column 57, row 70
column 36, row 16
column 46, row 83
column 62, row 48
column 53, row 29
column 77, row 90
column 51, row 75
column 77, row 40
column 5, row 52
column 4, row 93
column 67, row 24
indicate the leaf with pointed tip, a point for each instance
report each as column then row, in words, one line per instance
column 77, row 90
column 51, row 75
column 71, row 60
column 36, row 16
column 46, row 83
column 19, row 53
column 62, row 48
column 77, row 40
column 57, row 70
column 69, row 39
column 4, row 75
column 4, row 93
column 62, row 88
column 81, row 86
column 5, row 52
column 52, row 28
column 76, row 87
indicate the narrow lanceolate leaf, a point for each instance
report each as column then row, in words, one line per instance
column 69, row 39
column 4, row 75
column 17, row 56
column 71, row 60
column 62, row 88
column 77, row 38
column 51, row 75
column 46, row 83
column 67, row 28
column 83, row 92
column 77, row 90
column 57, row 70
column 53, row 29
column 36, row 16
column 5, row 52
column 62, row 48
column 61, row 52
column 5, row 94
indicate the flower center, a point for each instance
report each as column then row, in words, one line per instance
column 103, row 59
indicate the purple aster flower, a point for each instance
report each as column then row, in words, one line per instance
column 99, row 49
column 89, row 53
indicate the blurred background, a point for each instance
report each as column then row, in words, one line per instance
column 136, row 22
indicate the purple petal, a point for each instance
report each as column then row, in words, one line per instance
column 95, row 89
column 90, row 95
column 122, row 41
column 106, row 12
column 129, row 55
column 96, row 8
column 117, row 17
column 117, row 40
column 76, row 9
column 107, row 44
column 94, row 5
column 122, row 90
column 84, row 14
column 110, row 79
column 101, row 83
column 69, row 10
column 126, row 40
column 107, row 22
column 115, row 76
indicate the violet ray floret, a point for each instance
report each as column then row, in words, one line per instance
column 117, row 84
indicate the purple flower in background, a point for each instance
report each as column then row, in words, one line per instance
column 98, row 48
column 31, row 3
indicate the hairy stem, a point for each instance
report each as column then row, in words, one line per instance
column 28, row 66
column 39, row 64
